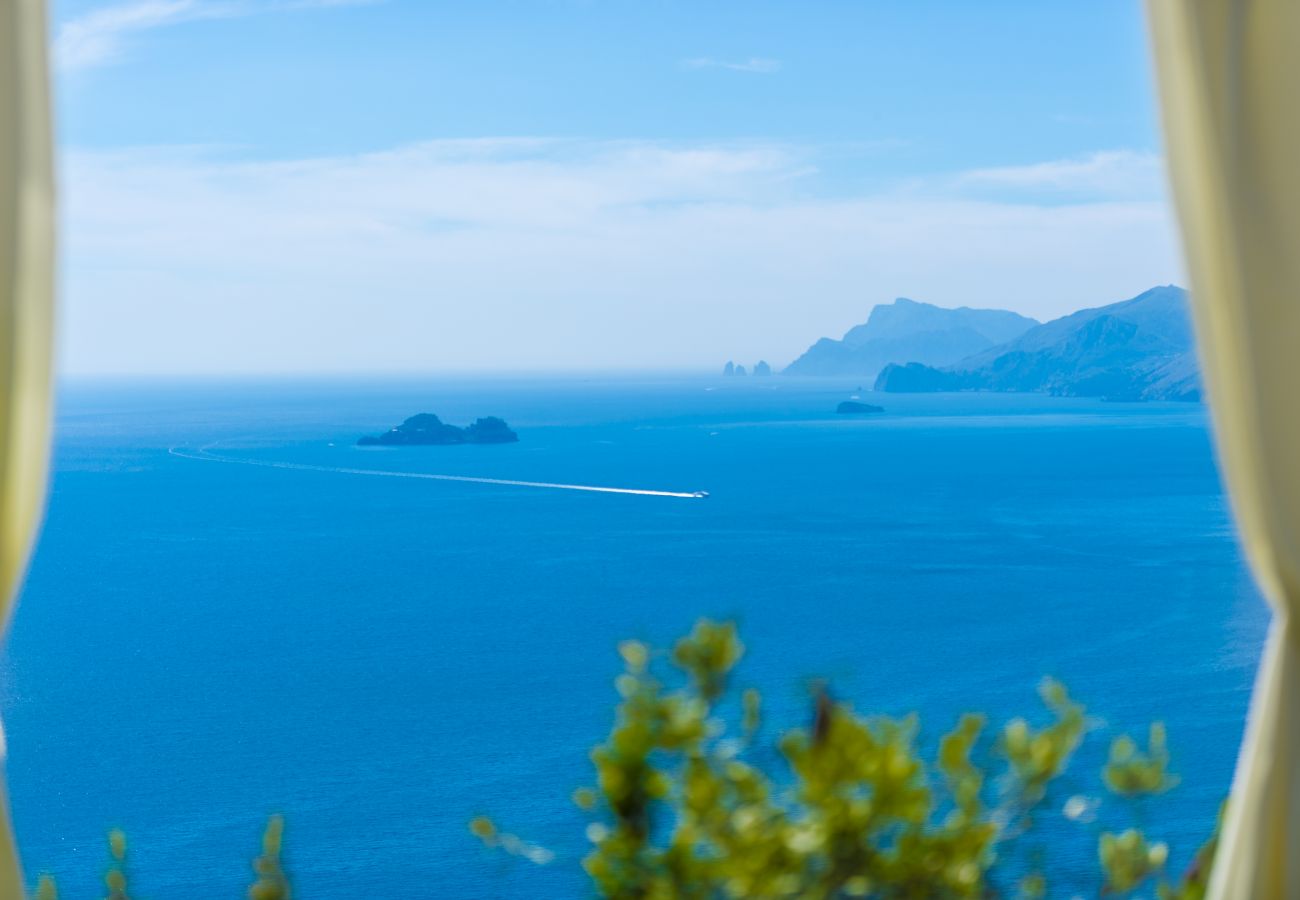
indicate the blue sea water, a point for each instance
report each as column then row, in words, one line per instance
column 202, row 643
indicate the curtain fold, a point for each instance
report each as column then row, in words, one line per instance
column 26, row 314
column 1229, row 80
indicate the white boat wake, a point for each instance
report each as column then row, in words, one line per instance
column 205, row 455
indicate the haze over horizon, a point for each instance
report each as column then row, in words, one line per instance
column 332, row 186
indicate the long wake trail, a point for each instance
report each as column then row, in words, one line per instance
column 205, row 455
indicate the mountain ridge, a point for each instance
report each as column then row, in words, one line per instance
column 1136, row 349
column 910, row 330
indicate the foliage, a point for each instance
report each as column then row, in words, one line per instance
column 1128, row 859
column 272, row 883
column 115, row 877
column 683, row 810
column 1132, row 772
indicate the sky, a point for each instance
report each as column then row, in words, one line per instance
column 302, row 187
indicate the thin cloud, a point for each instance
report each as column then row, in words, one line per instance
column 1112, row 173
column 754, row 64
column 535, row 253
column 96, row 38
column 101, row 36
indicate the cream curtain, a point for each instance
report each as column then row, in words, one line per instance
column 26, row 313
column 1229, row 73
column 1229, row 76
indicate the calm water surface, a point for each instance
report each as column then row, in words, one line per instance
column 202, row 643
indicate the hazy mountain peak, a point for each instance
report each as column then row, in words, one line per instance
column 907, row 330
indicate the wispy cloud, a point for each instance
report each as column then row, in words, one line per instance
column 96, row 37
column 1113, row 173
column 536, row 253
column 100, row 36
column 754, row 64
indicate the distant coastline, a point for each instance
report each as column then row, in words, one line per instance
column 1134, row 350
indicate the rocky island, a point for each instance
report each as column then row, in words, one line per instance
column 851, row 407
column 734, row 369
column 426, row 429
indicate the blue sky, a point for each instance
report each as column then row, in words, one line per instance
column 262, row 186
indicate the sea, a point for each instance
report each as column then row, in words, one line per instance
column 235, row 611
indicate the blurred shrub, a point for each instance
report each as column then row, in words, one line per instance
column 271, row 884
column 681, row 808
column 115, row 877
